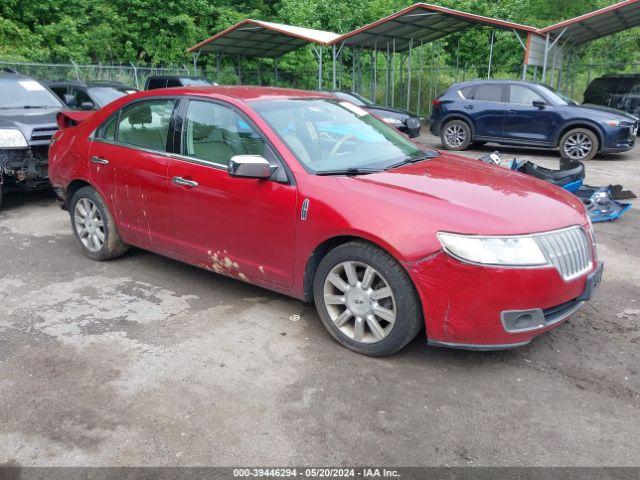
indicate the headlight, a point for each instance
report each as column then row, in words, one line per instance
column 12, row 138
column 512, row 251
column 392, row 121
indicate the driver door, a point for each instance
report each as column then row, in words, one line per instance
column 241, row 227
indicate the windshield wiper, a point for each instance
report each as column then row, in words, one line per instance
column 349, row 171
column 408, row 160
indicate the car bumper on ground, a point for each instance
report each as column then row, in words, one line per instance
column 488, row 308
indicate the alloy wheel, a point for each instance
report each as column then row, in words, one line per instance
column 360, row 302
column 455, row 135
column 578, row 146
column 89, row 225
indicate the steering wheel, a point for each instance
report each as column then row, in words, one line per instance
column 336, row 148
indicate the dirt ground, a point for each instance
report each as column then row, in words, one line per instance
column 146, row 361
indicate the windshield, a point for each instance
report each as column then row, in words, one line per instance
column 25, row 93
column 106, row 95
column 195, row 82
column 558, row 97
column 327, row 135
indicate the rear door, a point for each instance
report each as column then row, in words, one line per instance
column 525, row 122
column 241, row 227
column 129, row 161
column 487, row 110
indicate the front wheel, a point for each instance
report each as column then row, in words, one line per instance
column 94, row 226
column 579, row 144
column 456, row 135
column 366, row 300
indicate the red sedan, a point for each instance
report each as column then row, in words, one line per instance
column 313, row 197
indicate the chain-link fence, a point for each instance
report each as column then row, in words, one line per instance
column 131, row 74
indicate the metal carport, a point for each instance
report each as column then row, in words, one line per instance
column 413, row 27
column 256, row 38
column 546, row 47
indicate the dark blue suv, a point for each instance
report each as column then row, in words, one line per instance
column 528, row 114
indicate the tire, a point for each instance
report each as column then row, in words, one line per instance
column 456, row 135
column 376, row 321
column 96, row 231
column 573, row 145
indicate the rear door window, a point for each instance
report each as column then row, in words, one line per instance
column 146, row 124
column 489, row 93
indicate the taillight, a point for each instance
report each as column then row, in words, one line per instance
column 436, row 103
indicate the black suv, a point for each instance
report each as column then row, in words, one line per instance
column 89, row 95
column 165, row 81
column 615, row 91
column 28, row 112
column 403, row 120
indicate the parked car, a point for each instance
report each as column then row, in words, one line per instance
column 164, row 81
column 621, row 92
column 314, row 197
column 403, row 120
column 528, row 114
column 27, row 122
column 89, row 95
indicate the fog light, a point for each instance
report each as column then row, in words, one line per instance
column 522, row 320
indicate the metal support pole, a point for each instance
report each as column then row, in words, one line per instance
column 375, row 72
column 333, row 57
column 420, row 70
column 546, row 56
column 393, row 73
column 353, row 69
column 318, row 51
column 490, row 54
column 135, row 74
column 75, row 66
column 553, row 66
column 386, row 77
column 409, row 73
column 218, row 58
column 275, row 65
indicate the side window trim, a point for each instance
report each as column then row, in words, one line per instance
column 179, row 136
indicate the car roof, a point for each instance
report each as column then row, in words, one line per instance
column 245, row 93
column 177, row 76
column 17, row 76
column 474, row 83
column 79, row 83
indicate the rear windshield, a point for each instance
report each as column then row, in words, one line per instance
column 26, row 93
column 106, row 95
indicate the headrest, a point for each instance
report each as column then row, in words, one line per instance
column 141, row 115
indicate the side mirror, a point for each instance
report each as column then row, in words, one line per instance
column 87, row 106
column 539, row 104
column 250, row 166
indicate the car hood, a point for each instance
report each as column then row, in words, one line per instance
column 397, row 111
column 602, row 111
column 467, row 196
column 26, row 120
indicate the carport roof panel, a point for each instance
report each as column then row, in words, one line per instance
column 599, row 23
column 421, row 22
column 255, row 38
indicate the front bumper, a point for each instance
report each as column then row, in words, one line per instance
column 621, row 139
column 475, row 307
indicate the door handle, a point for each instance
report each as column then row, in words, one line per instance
column 99, row 160
column 184, row 182
column 468, row 107
column 512, row 112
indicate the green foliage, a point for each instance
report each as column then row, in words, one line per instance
column 159, row 31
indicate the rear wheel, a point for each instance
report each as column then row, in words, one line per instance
column 366, row 300
column 579, row 144
column 94, row 226
column 456, row 135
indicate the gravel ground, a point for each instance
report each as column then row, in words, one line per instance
column 146, row 361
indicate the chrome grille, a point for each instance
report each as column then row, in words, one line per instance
column 568, row 250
